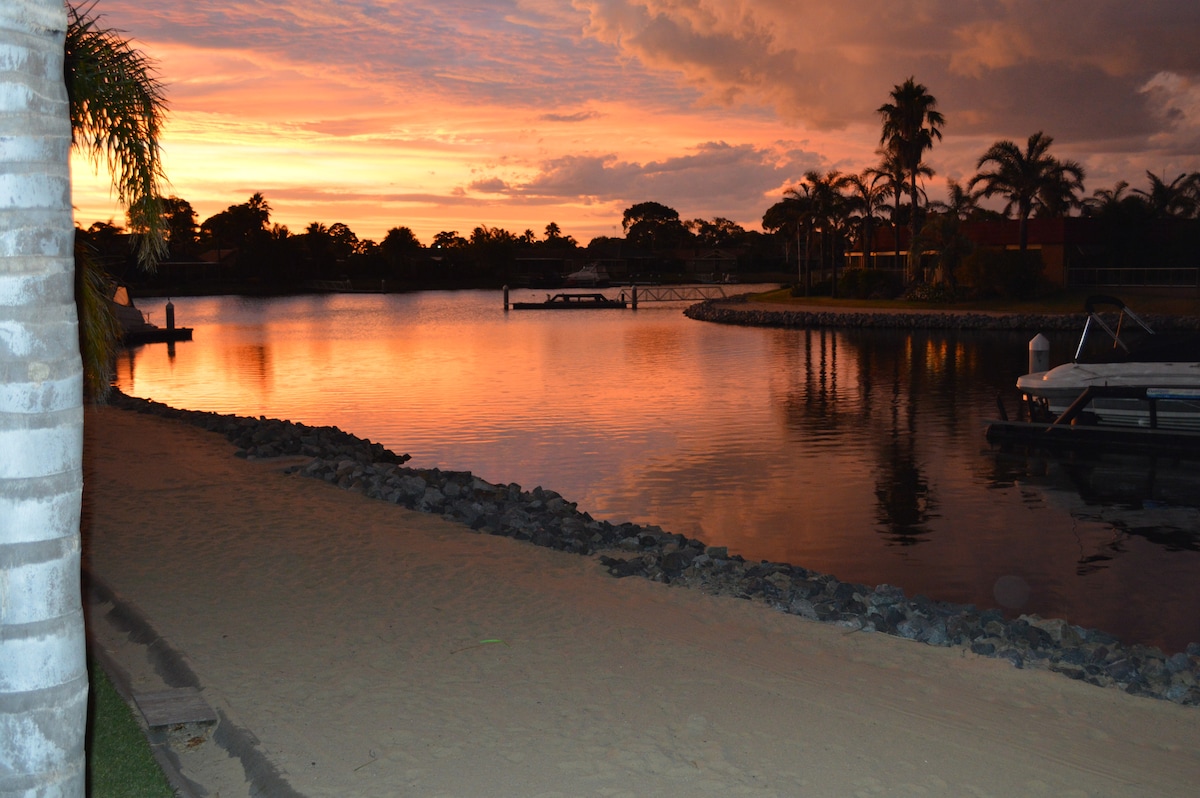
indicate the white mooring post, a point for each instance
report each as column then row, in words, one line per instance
column 1039, row 354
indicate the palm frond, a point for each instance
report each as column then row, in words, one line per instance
column 117, row 112
column 99, row 331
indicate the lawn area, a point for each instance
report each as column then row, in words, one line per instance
column 1182, row 303
column 119, row 761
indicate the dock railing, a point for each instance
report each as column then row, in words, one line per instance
column 677, row 293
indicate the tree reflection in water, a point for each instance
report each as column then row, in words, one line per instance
column 905, row 502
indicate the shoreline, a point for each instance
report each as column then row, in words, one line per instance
column 743, row 311
column 544, row 518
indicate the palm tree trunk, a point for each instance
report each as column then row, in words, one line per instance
column 868, row 253
column 43, row 673
column 914, row 258
column 896, row 230
column 808, row 268
column 799, row 265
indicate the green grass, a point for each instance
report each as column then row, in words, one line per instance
column 119, row 761
column 1183, row 302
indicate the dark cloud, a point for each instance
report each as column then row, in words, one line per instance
column 491, row 186
column 715, row 179
column 1076, row 68
column 582, row 116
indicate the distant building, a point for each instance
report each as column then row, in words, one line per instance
column 1075, row 251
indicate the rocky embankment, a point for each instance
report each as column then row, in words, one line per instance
column 545, row 518
column 740, row 311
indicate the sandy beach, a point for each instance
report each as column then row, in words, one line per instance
column 361, row 649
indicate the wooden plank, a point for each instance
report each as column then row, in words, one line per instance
column 171, row 707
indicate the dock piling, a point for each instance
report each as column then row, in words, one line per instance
column 1039, row 354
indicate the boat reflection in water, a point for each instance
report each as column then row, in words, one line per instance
column 1152, row 498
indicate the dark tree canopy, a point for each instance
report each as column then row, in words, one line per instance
column 239, row 225
column 653, row 226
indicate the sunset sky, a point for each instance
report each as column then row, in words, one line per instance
column 445, row 115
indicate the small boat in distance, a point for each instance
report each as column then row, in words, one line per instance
column 573, row 302
column 1136, row 378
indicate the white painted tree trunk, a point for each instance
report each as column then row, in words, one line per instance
column 43, row 673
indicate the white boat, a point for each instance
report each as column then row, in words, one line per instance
column 590, row 276
column 1134, row 378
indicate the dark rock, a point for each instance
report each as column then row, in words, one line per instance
column 1123, row 670
column 675, row 562
column 1072, row 671
column 983, row 648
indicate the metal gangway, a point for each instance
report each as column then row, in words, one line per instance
column 676, row 293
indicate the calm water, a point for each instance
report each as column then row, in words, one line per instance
column 856, row 453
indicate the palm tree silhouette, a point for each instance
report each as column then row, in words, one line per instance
column 1029, row 179
column 793, row 216
column 1177, row 198
column 826, row 211
column 866, row 199
column 1107, row 201
column 911, row 123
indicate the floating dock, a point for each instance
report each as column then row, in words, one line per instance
column 571, row 302
column 1077, row 427
column 156, row 335
column 1096, row 436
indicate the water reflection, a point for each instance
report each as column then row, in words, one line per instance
column 884, row 391
column 859, row 453
column 906, row 503
column 1154, row 498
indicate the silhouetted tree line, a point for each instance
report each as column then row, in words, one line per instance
column 240, row 249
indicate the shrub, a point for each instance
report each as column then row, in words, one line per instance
column 1008, row 274
column 870, row 284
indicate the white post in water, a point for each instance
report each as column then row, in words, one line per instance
column 1039, row 354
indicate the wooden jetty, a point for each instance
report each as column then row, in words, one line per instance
column 637, row 293
column 571, row 302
